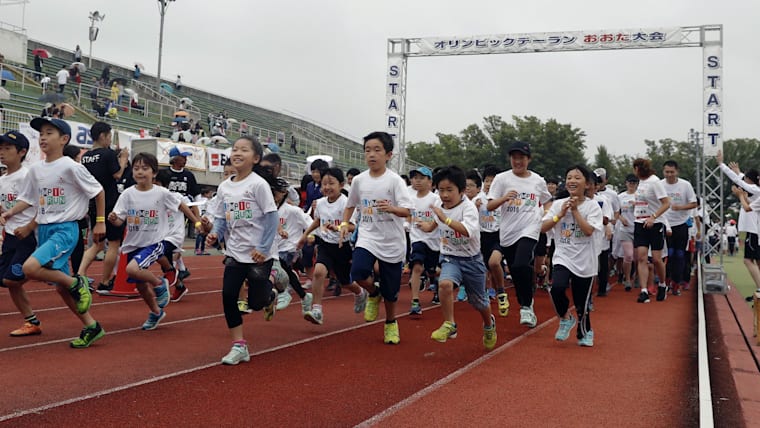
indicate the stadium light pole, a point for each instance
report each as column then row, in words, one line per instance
column 94, row 17
column 162, row 5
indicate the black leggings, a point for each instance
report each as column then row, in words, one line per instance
column 581, row 289
column 260, row 293
column 295, row 283
column 604, row 271
column 519, row 258
column 677, row 243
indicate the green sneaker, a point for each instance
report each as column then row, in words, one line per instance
column 390, row 333
column 88, row 336
column 447, row 330
column 489, row 335
column 81, row 294
column 373, row 306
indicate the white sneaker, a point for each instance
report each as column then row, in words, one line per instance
column 283, row 300
column 237, row 354
column 528, row 317
column 314, row 316
column 360, row 301
column 306, row 303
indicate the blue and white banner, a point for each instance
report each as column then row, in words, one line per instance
column 712, row 97
column 394, row 96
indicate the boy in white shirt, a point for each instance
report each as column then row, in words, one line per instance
column 384, row 203
column 144, row 208
column 489, row 241
column 426, row 246
column 61, row 190
column 461, row 261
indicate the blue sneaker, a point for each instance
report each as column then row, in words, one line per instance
column 461, row 294
column 416, row 309
column 565, row 325
column 152, row 322
column 162, row 294
column 587, row 340
column 492, row 294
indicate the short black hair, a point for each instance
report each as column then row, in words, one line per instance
column 163, row 177
column 147, row 159
column 228, row 162
column 474, row 176
column 353, row 172
column 273, row 158
column 670, row 162
column 552, row 180
column 384, row 138
column 587, row 174
column 71, row 151
column 452, row 173
column 99, row 128
column 492, row 171
column 406, row 179
column 334, row 172
column 320, row 165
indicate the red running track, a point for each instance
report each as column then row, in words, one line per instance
column 641, row 372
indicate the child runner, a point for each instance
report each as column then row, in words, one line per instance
column 624, row 227
column 478, row 198
column 426, row 246
column 61, row 190
column 384, row 203
column 246, row 212
column 489, row 240
column 200, row 239
column 19, row 242
column 521, row 194
column 143, row 207
column 574, row 219
column 173, row 241
column 461, row 261
column 333, row 251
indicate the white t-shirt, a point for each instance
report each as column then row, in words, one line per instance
column 211, row 207
column 612, row 199
column 680, row 193
column 454, row 243
column 243, row 204
column 520, row 217
column 421, row 213
column 648, row 196
column 10, row 186
column 176, row 218
column 63, row 76
column 145, row 214
column 330, row 213
column 731, row 231
column 627, row 203
column 60, row 190
column 489, row 220
column 748, row 219
column 573, row 249
column 600, row 239
column 381, row 233
column 754, row 201
column 294, row 221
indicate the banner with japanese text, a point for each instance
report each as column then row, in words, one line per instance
column 217, row 158
column 548, row 42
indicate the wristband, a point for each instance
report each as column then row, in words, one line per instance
column 100, row 219
column 198, row 224
column 342, row 225
column 555, row 219
column 448, row 221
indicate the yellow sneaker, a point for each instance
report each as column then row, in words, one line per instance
column 391, row 333
column 447, row 330
column 503, row 300
column 373, row 306
column 489, row 334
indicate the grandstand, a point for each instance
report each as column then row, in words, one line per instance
column 158, row 107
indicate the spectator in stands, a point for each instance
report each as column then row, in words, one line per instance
column 280, row 137
column 178, row 83
column 243, row 127
column 47, row 111
column 274, row 148
column 157, row 132
column 105, row 76
column 135, row 105
column 217, row 129
column 136, row 73
column 44, row 82
column 114, row 96
column 63, row 77
column 78, row 54
column 38, row 67
column 293, row 146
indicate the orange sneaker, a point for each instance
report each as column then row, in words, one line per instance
column 28, row 329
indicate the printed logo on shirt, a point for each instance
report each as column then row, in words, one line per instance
column 568, row 231
column 178, row 186
column 238, row 210
column 489, row 219
column 135, row 218
column 52, row 196
column 8, row 200
column 524, row 200
column 422, row 216
column 453, row 238
column 371, row 213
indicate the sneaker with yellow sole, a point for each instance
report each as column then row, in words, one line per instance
column 372, row 308
column 447, row 330
column 503, row 301
column 489, row 334
column 391, row 336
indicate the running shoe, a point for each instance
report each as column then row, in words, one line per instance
column 662, row 292
column 171, row 277
column 28, row 329
column 587, row 340
column 503, row 301
column 447, row 330
column 183, row 274
column 627, row 285
column 528, row 317
column 271, row 308
column 565, row 325
column 88, row 336
column 360, row 301
column 491, row 294
column 283, row 300
column 676, row 290
column 461, row 294
column 238, row 353
column 643, row 297
column 81, row 294
column 306, row 303
column 153, row 319
column 436, row 300
column 162, row 294
column 416, row 309
column 489, row 334
column 178, row 293
column 314, row 316
column 390, row 333
column 105, row 287
column 372, row 308
column 243, row 307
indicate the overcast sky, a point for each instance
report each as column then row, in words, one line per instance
column 326, row 60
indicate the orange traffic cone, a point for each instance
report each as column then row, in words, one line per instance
column 121, row 288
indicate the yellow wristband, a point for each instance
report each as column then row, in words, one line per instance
column 448, row 221
column 100, row 219
column 555, row 219
column 198, row 224
column 342, row 225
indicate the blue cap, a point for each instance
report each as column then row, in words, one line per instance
column 422, row 170
column 16, row 138
column 61, row 125
column 175, row 152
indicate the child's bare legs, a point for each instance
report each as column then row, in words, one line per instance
column 19, row 297
column 446, row 295
column 145, row 278
column 415, row 280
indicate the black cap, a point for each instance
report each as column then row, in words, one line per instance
column 631, row 178
column 61, row 125
column 519, row 146
column 16, row 138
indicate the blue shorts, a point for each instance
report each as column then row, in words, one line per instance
column 15, row 253
column 58, row 240
column 145, row 257
column 422, row 254
column 363, row 267
column 469, row 272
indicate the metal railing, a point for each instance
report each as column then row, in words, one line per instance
column 9, row 119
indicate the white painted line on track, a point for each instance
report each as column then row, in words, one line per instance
column 374, row 420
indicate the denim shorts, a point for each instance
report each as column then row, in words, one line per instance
column 469, row 272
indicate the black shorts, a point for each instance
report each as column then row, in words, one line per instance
column 15, row 253
column 651, row 237
column 336, row 259
column 422, row 254
column 751, row 248
column 540, row 250
column 489, row 242
column 113, row 232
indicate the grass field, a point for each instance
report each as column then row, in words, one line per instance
column 737, row 273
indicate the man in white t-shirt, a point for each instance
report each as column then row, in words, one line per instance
column 682, row 201
column 63, row 77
